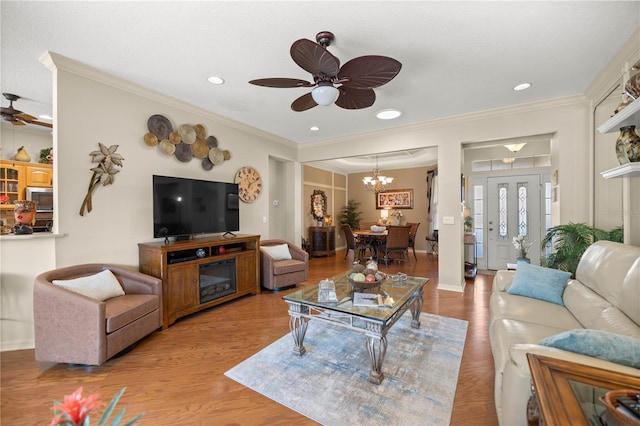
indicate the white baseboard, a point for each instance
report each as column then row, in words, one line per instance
column 17, row 345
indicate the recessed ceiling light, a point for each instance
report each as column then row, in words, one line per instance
column 215, row 80
column 388, row 114
column 314, row 128
column 522, row 86
column 45, row 117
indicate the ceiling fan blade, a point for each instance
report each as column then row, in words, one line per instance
column 351, row 98
column 17, row 122
column 303, row 103
column 42, row 123
column 281, row 82
column 314, row 58
column 26, row 117
column 368, row 72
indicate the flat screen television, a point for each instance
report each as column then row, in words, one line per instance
column 185, row 207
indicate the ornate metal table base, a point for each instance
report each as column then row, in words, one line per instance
column 377, row 348
column 298, row 327
column 375, row 329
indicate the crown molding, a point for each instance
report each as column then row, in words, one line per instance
column 54, row 61
column 613, row 73
column 573, row 100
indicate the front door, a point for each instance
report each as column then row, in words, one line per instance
column 513, row 207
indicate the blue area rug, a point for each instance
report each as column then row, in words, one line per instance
column 330, row 383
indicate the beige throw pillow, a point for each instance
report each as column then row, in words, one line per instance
column 101, row 286
column 279, row 252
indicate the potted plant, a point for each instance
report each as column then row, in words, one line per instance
column 568, row 243
column 350, row 214
column 468, row 223
column 522, row 247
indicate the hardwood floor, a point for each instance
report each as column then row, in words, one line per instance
column 177, row 377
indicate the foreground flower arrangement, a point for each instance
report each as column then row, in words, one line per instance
column 75, row 409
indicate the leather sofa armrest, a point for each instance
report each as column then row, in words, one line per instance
column 298, row 254
column 502, row 280
column 64, row 319
column 518, row 354
column 134, row 282
column 267, row 261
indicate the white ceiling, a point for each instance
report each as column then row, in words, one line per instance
column 458, row 57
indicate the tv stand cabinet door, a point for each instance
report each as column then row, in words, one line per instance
column 182, row 290
column 246, row 272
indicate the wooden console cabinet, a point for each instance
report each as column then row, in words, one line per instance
column 178, row 265
column 322, row 241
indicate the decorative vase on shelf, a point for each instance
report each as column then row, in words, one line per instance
column 628, row 145
column 523, row 260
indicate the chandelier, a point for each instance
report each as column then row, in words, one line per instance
column 378, row 182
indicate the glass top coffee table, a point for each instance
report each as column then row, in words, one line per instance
column 374, row 322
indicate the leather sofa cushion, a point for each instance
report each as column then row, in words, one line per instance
column 593, row 311
column 288, row 266
column 123, row 310
column 506, row 332
column 603, row 268
column 511, row 306
column 630, row 303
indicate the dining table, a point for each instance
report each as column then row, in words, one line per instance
column 376, row 239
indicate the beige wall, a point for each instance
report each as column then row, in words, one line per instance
column 96, row 109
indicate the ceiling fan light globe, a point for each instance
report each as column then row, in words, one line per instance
column 325, row 95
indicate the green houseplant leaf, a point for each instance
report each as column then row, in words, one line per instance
column 569, row 241
column 350, row 214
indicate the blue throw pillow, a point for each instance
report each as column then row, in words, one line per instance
column 539, row 283
column 618, row 348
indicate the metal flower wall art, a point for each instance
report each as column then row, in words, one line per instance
column 104, row 173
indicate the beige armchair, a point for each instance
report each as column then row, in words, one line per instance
column 77, row 329
column 278, row 273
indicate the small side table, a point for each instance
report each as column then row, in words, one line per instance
column 470, row 268
column 566, row 393
column 432, row 240
column 322, row 240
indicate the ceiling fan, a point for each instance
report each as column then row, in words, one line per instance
column 350, row 86
column 17, row 117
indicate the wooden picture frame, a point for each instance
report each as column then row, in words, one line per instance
column 318, row 204
column 395, row 199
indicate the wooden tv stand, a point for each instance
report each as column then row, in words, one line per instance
column 178, row 264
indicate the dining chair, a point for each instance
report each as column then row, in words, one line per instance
column 358, row 246
column 412, row 237
column 365, row 226
column 397, row 241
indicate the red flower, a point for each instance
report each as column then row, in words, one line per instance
column 74, row 409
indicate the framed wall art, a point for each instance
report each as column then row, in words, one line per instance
column 395, row 199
